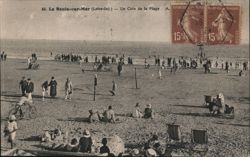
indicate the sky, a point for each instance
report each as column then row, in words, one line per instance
column 24, row 19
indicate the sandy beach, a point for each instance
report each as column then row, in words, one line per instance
column 176, row 98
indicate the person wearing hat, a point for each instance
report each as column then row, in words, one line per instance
column 10, row 130
column 148, row 112
column 137, row 113
column 150, row 153
column 85, row 142
column 53, row 85
column 22, row 86
column 135, row 152
column 68, row 89
column 30, row 89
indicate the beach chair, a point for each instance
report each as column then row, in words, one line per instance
column 207, row 100
column 199, row 141
column 174, row 139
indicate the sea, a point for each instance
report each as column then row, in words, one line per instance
column 23, row 48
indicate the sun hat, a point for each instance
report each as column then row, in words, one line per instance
column 150, row 153
column 135, row 152
column 86, row 133
column 149, row 105
column 12, row 117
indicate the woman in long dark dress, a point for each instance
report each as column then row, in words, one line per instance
column 53, row 85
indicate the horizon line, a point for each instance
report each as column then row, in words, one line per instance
column 247, row 43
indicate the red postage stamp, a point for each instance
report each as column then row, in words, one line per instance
column 205, row 24
column 223, row 24
column 187, row 23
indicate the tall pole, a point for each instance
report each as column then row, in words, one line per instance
column 136, row 80
column 95, row 84
column 94, row 92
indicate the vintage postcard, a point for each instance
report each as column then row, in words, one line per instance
column 153, row 78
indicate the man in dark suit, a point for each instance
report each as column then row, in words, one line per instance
column 22, row 86
column 29, row 89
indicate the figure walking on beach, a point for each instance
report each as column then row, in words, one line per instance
column 160, row 75
column 29, row 89
column 114, row 87
column 45, row 86
column 53, row 85
column 10, row 130
column 227, row 67
column 119, row 68
column 68, row 89
column 22, row 86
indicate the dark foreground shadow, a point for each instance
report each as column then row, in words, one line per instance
column 192, row 106
column 76, row 119
column 240, row 125
column 222, row 116
column 31, row 138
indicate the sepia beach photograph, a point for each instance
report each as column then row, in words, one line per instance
column 140, row 78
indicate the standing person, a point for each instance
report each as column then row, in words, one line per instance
column 53, row 85
column 159, row 72
column 29, row 63
column 5, row 56
column 85, row 142
column 119, row 68
column 29, row 89
column 45, row 86
column 227, row 67
column 22, row 86
column 10, row 130
column 68, row 89
column 114, row 87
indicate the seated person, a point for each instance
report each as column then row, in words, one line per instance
column 56, row 134
column 228, row 109
column 94, row 116
column 109, row 115
column 72, row 146
column 137, row 113
column 46, row 137
column 85, row 142
column 153, row 143
column 148, row 112
column 104, row 149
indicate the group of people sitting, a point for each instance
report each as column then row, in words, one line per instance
column 108, row 115
column 217, row 105
column 111, row 146
column 55, row 140
column 148, row 112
